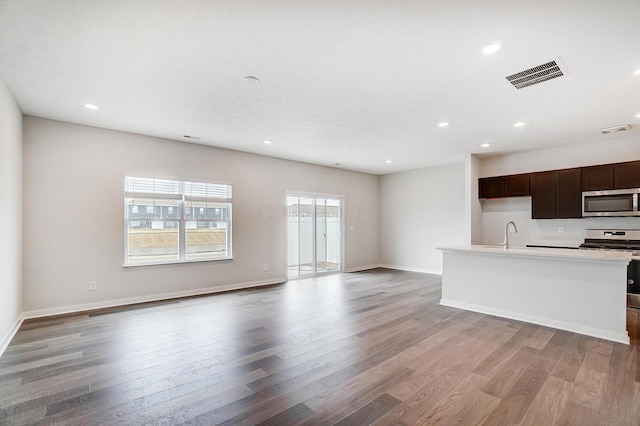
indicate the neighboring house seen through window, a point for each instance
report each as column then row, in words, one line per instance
column 168, row 221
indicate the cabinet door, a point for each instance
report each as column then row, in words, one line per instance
column 516, row 185
column 626, row 175
column 568, row 193
column 543, row 195
column 597, row 178
column 491, row 187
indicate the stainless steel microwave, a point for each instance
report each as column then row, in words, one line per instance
column 615, row 202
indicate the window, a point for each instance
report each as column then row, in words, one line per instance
column 169, row 221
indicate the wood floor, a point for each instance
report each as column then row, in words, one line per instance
column 351, row 349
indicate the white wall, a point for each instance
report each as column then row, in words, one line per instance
column 73, row 225
column 613, row 149
column 73, row 219
column 497, row 212
column 422, row 209
column 473, row 208
column 10, row 214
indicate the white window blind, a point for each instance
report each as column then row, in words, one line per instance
column 174, row 189
column 200, row 190
column 151, row 185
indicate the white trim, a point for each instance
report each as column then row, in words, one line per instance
column 411, row 269
column 176, row 262
column 314, row 196
column 181, row 198
column 152, row 195
column 151, row 298
column 4, row 343
column 319, row 275
column 561, row 325
column 211, row 200
column 362, row 268
column 396, row 267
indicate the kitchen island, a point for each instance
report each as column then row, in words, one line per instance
column 581, row 291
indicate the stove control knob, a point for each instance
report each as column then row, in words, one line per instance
column 630, row 282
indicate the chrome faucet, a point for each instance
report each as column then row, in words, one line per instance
column 506, row 233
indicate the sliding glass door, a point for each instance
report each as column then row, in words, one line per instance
column 314, row 229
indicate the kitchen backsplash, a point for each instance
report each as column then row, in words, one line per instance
column 569, row 232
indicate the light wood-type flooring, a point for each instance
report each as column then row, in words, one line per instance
column 351, row 349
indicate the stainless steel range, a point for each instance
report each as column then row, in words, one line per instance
column 620, row 240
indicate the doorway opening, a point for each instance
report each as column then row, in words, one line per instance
column 314, row 234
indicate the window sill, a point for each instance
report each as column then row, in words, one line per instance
column 179, row 262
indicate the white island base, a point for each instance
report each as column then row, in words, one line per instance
column 579, row 291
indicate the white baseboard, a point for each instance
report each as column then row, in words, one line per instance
column 361, row 268
column 410, row 269
column 396, row 267
column 575, row 328
column 143, row 299
column 4, row 343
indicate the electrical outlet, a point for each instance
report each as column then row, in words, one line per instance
column 362, row 256
column 561, row 229
column 93, row 286
column 265, row 268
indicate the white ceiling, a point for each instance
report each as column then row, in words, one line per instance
column 354, row 82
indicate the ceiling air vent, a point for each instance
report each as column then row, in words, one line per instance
column 620, row 128
column 535, row 75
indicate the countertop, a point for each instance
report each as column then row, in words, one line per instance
column 543, row 252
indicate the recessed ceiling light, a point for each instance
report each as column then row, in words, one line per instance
column 443, row 123
column 637, row 115
column 251, row 79
column 267, row 142
column 388, row 161
column 518, row 124
column 91, row 106
column 637, row 72
column 492, row 48
column 485, row 145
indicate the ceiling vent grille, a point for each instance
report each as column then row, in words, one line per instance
column 620, row 128
column 535, row 75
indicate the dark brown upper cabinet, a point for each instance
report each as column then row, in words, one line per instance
column 543, row 195
column 626, row 175
column 516, row 185
column 556, row 194
column 597, row 178
column 568, row 193
column 492, row 187
column 504, row 186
